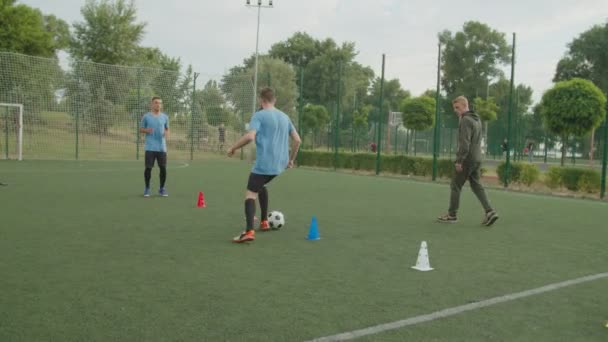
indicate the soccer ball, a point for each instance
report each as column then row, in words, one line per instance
column 276, row 220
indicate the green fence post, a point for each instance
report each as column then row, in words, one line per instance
column 300, row 106
column 574, row 151
column 6, row 133
column 137, row 134
column 337, row 123
column 604, row 159
column 77, row 127
column 379, row 121
column 396, row 140
column 451, row 138
column 193, row 110
column 437, row 127
column 352, row 138
column 546, row 147
column 509, row 140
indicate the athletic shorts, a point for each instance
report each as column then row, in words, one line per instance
column 257, row 182
column 160, row 157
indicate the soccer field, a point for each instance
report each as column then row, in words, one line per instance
column 84, row 257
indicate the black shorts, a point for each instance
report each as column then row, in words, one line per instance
column 160, row 157
column 257, row 182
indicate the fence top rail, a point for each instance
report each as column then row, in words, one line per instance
column 11, row 105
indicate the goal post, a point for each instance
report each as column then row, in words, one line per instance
column 4, row 114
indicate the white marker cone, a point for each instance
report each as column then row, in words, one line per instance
column 423, row 263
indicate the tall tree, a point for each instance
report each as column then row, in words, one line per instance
column 59, row 30
column 297, row 50
column 587, row 58
column 237, row 84
column 30, row 81
column 279, row 75
column 418, row 114
column 573, row 108
column 321, row 61
column 472, row 58
column 321, row 74
column 393, row 98
column 26, row 30
column 213, row 103
column 487, row 110
column 497, row 129
column 314, row 119
column 109, row 33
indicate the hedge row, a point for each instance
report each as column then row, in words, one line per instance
column 523, row 173
column 399, row 164
column 574, row 179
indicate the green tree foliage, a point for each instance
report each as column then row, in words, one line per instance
column 109, row 33
column 297, row 50
column 60, row 31
column 486, row 109
column 497, row 129
column 314, row 119
column 418, row 113
column 587, row 58
column 26, row 30
column 573, row 108
column 472, row 57
column 237, row 85
column 393, row 97
column 27, row 80
column 280, row 76
column 321, row 61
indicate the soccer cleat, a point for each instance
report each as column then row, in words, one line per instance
column 147, row 192
column 264, row 226
column 244, row 237
column 447, row 218
column 163, row 192
column 490, row 218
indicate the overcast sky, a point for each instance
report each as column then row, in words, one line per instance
column 216, row 35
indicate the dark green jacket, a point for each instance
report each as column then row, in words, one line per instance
column 469, row 139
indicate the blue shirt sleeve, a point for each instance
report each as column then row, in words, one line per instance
column 255, row 123
column 166, row 121
column 144, row 122
column 291, row 127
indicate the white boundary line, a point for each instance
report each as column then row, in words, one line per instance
column 457, row 310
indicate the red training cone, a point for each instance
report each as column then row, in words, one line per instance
column 201, row 200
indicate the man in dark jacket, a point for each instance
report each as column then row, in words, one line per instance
column 468, row 163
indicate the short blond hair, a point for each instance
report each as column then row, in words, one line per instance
column 462, row 100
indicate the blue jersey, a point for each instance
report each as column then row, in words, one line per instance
column 155, row 141
column 273, row 129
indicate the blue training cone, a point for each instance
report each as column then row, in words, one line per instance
column 313, row 233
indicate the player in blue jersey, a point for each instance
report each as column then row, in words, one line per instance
column 270, row 129
column 155, row 125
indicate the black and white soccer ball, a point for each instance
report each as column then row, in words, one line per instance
column 276, row 220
